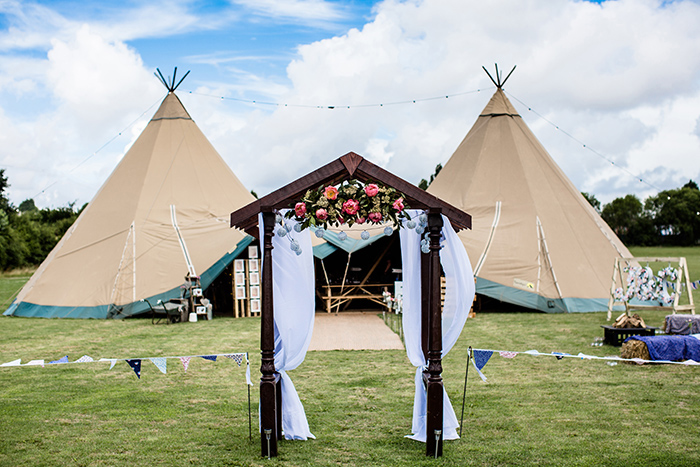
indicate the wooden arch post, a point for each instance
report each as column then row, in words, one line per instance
column 270, row 391
column 349, row 166
column 433, row 428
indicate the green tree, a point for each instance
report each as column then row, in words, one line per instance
column 676, row 215
column 27, row 205
column 592, row 200
column 627, row 218
column 26, row 239
column 424, row 184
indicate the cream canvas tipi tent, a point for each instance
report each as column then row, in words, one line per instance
column 536, row 242
column 162, row 213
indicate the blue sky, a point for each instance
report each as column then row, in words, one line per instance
column 77, row 85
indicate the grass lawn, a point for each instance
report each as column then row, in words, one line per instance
column 532, row 411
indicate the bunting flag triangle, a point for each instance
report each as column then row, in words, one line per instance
column 61, row 360
column 481, row 357
column 17, row 362
column 506, row 354
column 135, row 365
column 84, row 359
column 112, row 361
column 161, row 364
column 560, row 355
column 209, row 357
column 236, row 357
column 185, row 362
column 37, row 363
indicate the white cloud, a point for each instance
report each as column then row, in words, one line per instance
column 621, row 77
column 300, row 10
column 608, row 74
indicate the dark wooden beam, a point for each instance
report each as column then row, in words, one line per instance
column 350, row 165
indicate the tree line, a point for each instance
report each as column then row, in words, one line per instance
column 27, row 233
column 672, row 217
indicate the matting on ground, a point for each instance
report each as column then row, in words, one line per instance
column 353, row 331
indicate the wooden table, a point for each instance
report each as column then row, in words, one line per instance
column 337, row 295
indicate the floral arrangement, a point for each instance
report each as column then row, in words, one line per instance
column 351, row 202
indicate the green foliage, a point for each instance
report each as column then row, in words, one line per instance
column 27, row 205
column 672, row 217
column 676, row 215
column 592, row 200
column 424, row 184
column 28, row 234
column 629, row 221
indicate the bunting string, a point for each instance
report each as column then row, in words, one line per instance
column 135, row 363
column 482, row 356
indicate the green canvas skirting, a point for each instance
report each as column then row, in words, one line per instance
column 537, row 302
column 32, row 310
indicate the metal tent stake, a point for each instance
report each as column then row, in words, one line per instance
column 464, row 394
column 268, row 433
column 438, row 433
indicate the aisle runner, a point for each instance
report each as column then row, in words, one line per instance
column 353, row 331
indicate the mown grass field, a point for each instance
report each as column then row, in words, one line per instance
column 532, row 411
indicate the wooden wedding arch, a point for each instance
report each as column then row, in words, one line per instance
column 351, row 166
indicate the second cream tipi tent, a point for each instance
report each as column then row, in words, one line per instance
column 536, row 242
column 162, row 213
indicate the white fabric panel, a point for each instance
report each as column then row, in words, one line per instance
column 410, row 265
column 294, row 305
column 459, row 295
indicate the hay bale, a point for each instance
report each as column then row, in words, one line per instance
column 635, row 349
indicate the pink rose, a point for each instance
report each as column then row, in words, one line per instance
column 351, row 207
column 300, row 209
column 360, row 220
column 330, row 192
column 321, row 214
column 398, row 204
column 375, row 216
column 371, row 190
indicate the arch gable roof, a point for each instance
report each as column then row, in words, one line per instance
column 348, row 166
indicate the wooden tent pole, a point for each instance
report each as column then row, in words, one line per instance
column 434, row 434
column 269, row 423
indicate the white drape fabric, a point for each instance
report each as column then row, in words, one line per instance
column 294, row 308
column 459, row 295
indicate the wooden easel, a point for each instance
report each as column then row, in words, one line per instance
column 675, row 307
